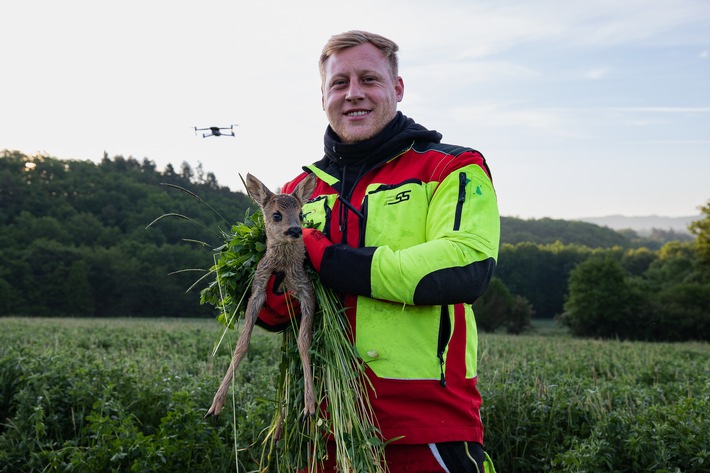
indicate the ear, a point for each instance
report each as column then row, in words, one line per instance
column 258, row 191
column 399, row 89
column 305, row 188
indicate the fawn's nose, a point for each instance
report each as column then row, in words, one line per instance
column 294, row 232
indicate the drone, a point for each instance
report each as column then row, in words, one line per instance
column 217, row 131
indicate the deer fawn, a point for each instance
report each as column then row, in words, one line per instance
column 285, row 252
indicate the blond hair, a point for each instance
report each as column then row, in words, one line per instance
column 353, row 38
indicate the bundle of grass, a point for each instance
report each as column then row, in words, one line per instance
column 344, row 415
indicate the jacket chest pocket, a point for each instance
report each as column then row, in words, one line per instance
column 318, row 211
column 396, row 215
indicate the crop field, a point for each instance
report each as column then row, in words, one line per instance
column 100, row 395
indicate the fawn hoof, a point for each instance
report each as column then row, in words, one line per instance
column 211, row 414
column 309, row 413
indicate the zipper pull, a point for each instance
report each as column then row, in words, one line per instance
column 444, row 333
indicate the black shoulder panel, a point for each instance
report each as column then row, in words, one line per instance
column 453, row 150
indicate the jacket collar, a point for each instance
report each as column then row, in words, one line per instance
column 398, row 134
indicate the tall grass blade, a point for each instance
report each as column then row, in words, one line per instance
column 183, row 217
column 197, row 197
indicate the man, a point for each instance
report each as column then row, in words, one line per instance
column 407, row 233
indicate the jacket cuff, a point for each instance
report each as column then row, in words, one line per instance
column 347, row 270
column 272, row 326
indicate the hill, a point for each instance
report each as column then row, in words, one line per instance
column 644, row 225
column 547, row 231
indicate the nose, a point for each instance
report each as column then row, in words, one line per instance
column 354, row 92
column 294, row 232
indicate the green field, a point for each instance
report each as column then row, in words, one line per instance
column 97, row 395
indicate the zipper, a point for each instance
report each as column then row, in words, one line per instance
column 444, row 334
column 328, row 217
column 327, row 213
column 363, row 221
column 345, row 205
column 387, row 187
column 461, row 200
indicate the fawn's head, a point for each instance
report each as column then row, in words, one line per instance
column 282, row 212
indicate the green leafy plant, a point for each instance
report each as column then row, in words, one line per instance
column 233, row 269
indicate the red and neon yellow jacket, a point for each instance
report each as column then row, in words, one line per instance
column 416, row 244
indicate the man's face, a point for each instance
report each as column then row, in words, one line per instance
column 359, row 95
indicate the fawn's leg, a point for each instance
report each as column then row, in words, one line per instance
column 252, row 311
column 305, row 339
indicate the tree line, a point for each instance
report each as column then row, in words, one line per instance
column 626, row 293
column 74, row 242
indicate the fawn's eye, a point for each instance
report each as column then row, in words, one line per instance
column 300, row 216
column 277, row 217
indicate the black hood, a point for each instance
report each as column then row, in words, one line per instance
column 349, row 162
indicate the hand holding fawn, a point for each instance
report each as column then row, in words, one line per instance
column 284, row 252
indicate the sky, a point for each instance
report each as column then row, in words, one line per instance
column 581, row 108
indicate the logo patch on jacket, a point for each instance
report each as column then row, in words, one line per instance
column 398, row 198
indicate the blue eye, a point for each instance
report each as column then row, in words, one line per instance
column 276, row 217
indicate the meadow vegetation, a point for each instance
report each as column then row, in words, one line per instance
column 130, row 395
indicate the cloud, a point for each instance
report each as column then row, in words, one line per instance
column 483, row 29
column 668, row 142
column 540, row 122
column 467, row 72
column 596, row 73
column 660, row 109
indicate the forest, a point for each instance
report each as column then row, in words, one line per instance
column 85, row 239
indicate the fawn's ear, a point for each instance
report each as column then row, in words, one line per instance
column 257, row 190
column 305, row 188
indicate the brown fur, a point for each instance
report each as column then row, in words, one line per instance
column 285, row 252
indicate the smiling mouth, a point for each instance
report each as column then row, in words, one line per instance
column 358, row 113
